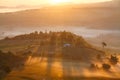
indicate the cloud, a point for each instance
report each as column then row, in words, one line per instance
column 16, row 7
column 2, row 7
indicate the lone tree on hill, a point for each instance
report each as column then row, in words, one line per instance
column 113, row 60
column 104, row 45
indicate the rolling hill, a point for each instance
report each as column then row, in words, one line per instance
column 68, row 45
column 53, row 55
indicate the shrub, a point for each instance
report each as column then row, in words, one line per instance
column 94, row 67
column 106, row 67
column 113, row 60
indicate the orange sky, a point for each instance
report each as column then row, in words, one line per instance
column 16, row 5
column 42, row 2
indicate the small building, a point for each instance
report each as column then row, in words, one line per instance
column 67, row 45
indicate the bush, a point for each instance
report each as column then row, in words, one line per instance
column 106, row 67
column 6, row 68
column 113, row 60
column 93, row 66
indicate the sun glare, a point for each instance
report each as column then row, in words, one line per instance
column 59, row 1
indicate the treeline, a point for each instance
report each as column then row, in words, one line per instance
column 52, row 38
column 44, row 35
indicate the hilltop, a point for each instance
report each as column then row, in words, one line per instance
column 62, row 44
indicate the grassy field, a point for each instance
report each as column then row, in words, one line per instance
column 50, row 59
column 56, row 69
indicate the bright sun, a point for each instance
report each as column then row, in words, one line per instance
column 59, row 1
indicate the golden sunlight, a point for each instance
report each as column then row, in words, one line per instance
column 59, row 1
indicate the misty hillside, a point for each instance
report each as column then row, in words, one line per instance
column 47, row 54
column 102, row 15
column 111, row 39
column 68, row 45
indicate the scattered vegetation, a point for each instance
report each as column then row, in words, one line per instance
column 52, row 38
column 113, row 60
column 8, row 61
column 50, row 43
column 106, row 67
column 61, row 45
column 94, row 67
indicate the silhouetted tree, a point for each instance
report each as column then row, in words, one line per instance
column 106, row 67
column 93, row 66
column 113, row 60
column 104, row 44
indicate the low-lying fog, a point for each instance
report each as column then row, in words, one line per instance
column 85, row 32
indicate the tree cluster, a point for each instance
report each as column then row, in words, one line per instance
column 52, row 38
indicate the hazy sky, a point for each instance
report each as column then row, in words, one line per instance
column 16, row 5
column 39, row 2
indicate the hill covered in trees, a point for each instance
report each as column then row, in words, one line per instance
column 65, row 44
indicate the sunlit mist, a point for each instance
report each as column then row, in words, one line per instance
column 59, row 39
column 17, row 5
column 59, row 1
